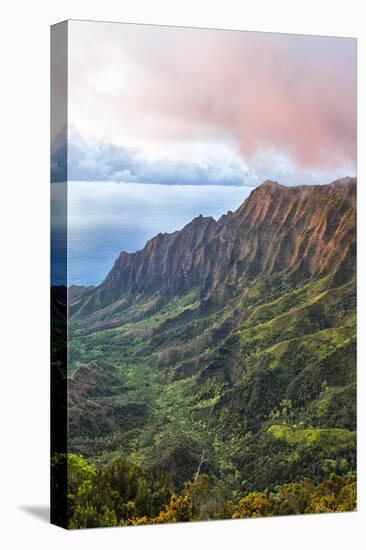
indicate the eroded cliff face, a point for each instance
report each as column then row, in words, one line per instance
column 305, row 231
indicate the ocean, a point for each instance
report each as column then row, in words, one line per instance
column 105, row 218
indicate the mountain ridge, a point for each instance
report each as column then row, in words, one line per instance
column 311, row 228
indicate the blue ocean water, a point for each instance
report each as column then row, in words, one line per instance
column 105, row 218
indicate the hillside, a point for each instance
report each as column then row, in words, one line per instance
column 235, row 336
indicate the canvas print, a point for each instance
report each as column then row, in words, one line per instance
column 203, row 274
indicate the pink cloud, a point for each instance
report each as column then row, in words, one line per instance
column 292, row 94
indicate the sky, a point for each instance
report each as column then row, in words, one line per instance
column 182, row 106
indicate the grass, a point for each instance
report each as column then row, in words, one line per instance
column 329, row 439
column 313, row 347
column 268, row 325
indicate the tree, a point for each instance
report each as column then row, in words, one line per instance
column 178, row 509
column 254, row 505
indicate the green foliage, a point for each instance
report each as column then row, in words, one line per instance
column 121, row 493
column 330, row 440
column 336, row 494
column 112, row 494
column 262, row 376
column 209, row 499
column 337, row 407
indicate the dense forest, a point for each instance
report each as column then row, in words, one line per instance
column 121, row 493
column 213, row 373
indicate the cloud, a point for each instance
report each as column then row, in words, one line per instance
column 85, row 160
column 59, row 156
column 101, row 161
column 271, row 164
column 151, row 87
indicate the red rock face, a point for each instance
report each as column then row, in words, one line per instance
column 305, row 231
column 308, row 229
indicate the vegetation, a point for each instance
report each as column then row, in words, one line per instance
column 259, row 373
column 121, row 493
column 270, row 406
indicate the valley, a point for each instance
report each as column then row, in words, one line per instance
column 235, row 337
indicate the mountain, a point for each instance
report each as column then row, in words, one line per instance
column 235, row 336
column 305, row 231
